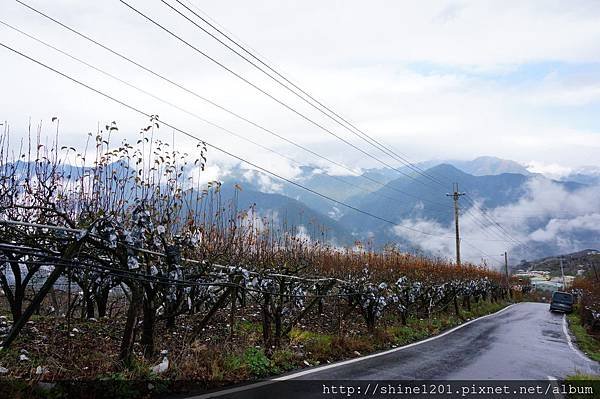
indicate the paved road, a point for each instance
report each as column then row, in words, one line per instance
column 523, row 342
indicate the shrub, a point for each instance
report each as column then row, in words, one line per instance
column 257, row 362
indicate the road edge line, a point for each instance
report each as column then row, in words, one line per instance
column 345, row 362
column 570, row 341
column 382, row 353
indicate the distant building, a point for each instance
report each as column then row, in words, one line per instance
column 545, row 285
column 533, row 274
column 552, row 284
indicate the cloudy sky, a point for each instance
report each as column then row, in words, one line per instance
column 435, row 79
column 559, row 213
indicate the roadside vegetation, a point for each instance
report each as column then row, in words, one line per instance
column 584, row 323
column 582, row 383
column 588, row 344
column 585, row 320
column 120, row 268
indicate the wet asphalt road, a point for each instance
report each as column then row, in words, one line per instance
column 523, row 342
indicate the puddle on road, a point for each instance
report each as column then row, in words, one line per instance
column 551, row 334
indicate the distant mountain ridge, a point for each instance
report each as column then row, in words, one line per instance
column 584, row 261
column 391, row 196
column 413, row 197
column 587, row 175
column 351, row 188
column 486, row 166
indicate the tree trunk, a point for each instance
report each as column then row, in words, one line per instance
column 307, row 308
column 170, row 321
column 266, row 320
column 128, row 334
column 370, row 318
column 218, row 305
column 147, row 340
column 54, row 301
column 68, row 254
column 456, row 308
column 102, row 301
column 16, row 308
column 278, row 330
column 234, row 296
column 89, row 307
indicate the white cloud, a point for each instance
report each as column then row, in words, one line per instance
column 559, row 226
column 561, row 216
column 552, row 170
column 422, row 76
column 210, row 173
column 264, row 182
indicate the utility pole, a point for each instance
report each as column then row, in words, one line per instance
column 455, row 196
column 506, row 272
column 595, row 272
column 562, row 273
column 593, row 264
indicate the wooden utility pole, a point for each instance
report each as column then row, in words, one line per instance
column 506, row 265
column 506, row 272
column 455, row 196
column 595, row 272
column 562, row 273
column 593, row 264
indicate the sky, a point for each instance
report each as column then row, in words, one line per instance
column 432, row 79
column 547, row 214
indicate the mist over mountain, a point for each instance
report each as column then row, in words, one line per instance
column 284, row 213
column 538, row 216
column 481, row 166
column 586, row 175
column 582, row 262
column 527, row 214
column 486, row 165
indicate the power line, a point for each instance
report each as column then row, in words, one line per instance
column 264, row 170
column 320, row 106
column 492, row 226
column 166, row 79
column 483, row 253
column 496, row 224
column 266, row 93
column 195, row 115
column 239, row 116
column 401, row 158
column 186, row 133
column 356, row 130
column 486, row 228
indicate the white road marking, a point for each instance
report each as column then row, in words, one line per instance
column 343, row 363
column 554, row 384
column 566, row 332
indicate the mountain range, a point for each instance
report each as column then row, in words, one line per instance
column 586, row 262
column 505, row 207
column 416, row 197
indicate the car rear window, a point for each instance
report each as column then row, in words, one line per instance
column 562, row 297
